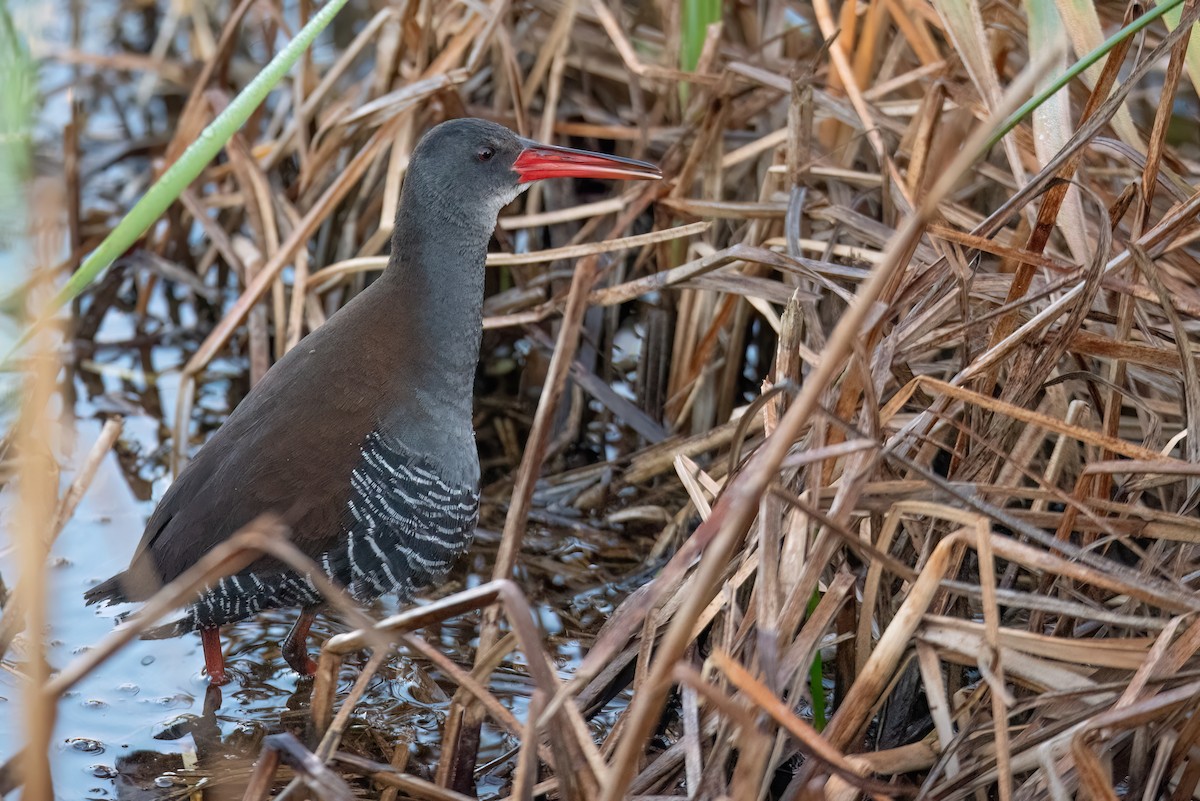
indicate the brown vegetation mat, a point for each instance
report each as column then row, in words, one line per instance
column 938, row 418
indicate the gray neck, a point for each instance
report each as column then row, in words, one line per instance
column 437, row 273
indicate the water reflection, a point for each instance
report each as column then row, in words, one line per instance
column 146, row 724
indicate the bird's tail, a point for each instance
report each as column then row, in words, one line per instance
column 114, row 591
column 137, row 583
column 168, row 630
column 107, row 592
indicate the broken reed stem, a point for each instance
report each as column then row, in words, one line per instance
column 311, row 771
column 500, row 714
column 333, row 737
column 739, row 504
column 410, row 785
column 38, row 437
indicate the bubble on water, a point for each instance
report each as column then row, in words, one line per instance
column 129, row 688
column 146, row 660
column 165, row 781
column 103, row 771
column 176, row 701
column 86, row 745
column 94, row 703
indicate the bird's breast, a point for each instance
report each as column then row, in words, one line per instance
column 406, row 523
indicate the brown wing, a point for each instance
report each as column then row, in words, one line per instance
column 289, row 448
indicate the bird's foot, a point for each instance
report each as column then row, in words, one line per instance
column 295, row 653
column 214, row 660
column 302, row 663
column 295, row 644
column 218, row 678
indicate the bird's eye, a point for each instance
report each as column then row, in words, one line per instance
column 485, row 153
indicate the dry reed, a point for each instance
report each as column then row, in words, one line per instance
column 962, row 508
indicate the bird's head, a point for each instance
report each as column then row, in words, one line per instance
column 476, row 161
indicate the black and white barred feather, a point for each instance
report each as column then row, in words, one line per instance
column 403, row 529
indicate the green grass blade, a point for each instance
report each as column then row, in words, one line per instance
column 697, row 16
column 16, row 115
column 197, row 156
column 1079, row 66
column 816, row 676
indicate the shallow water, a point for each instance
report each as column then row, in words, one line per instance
column 136, row 722
column 115, row 711
column 140, row 727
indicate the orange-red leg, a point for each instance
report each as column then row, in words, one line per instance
column 295, row 644
column 214, row 660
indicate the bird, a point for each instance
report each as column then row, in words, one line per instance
column 360, row 438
